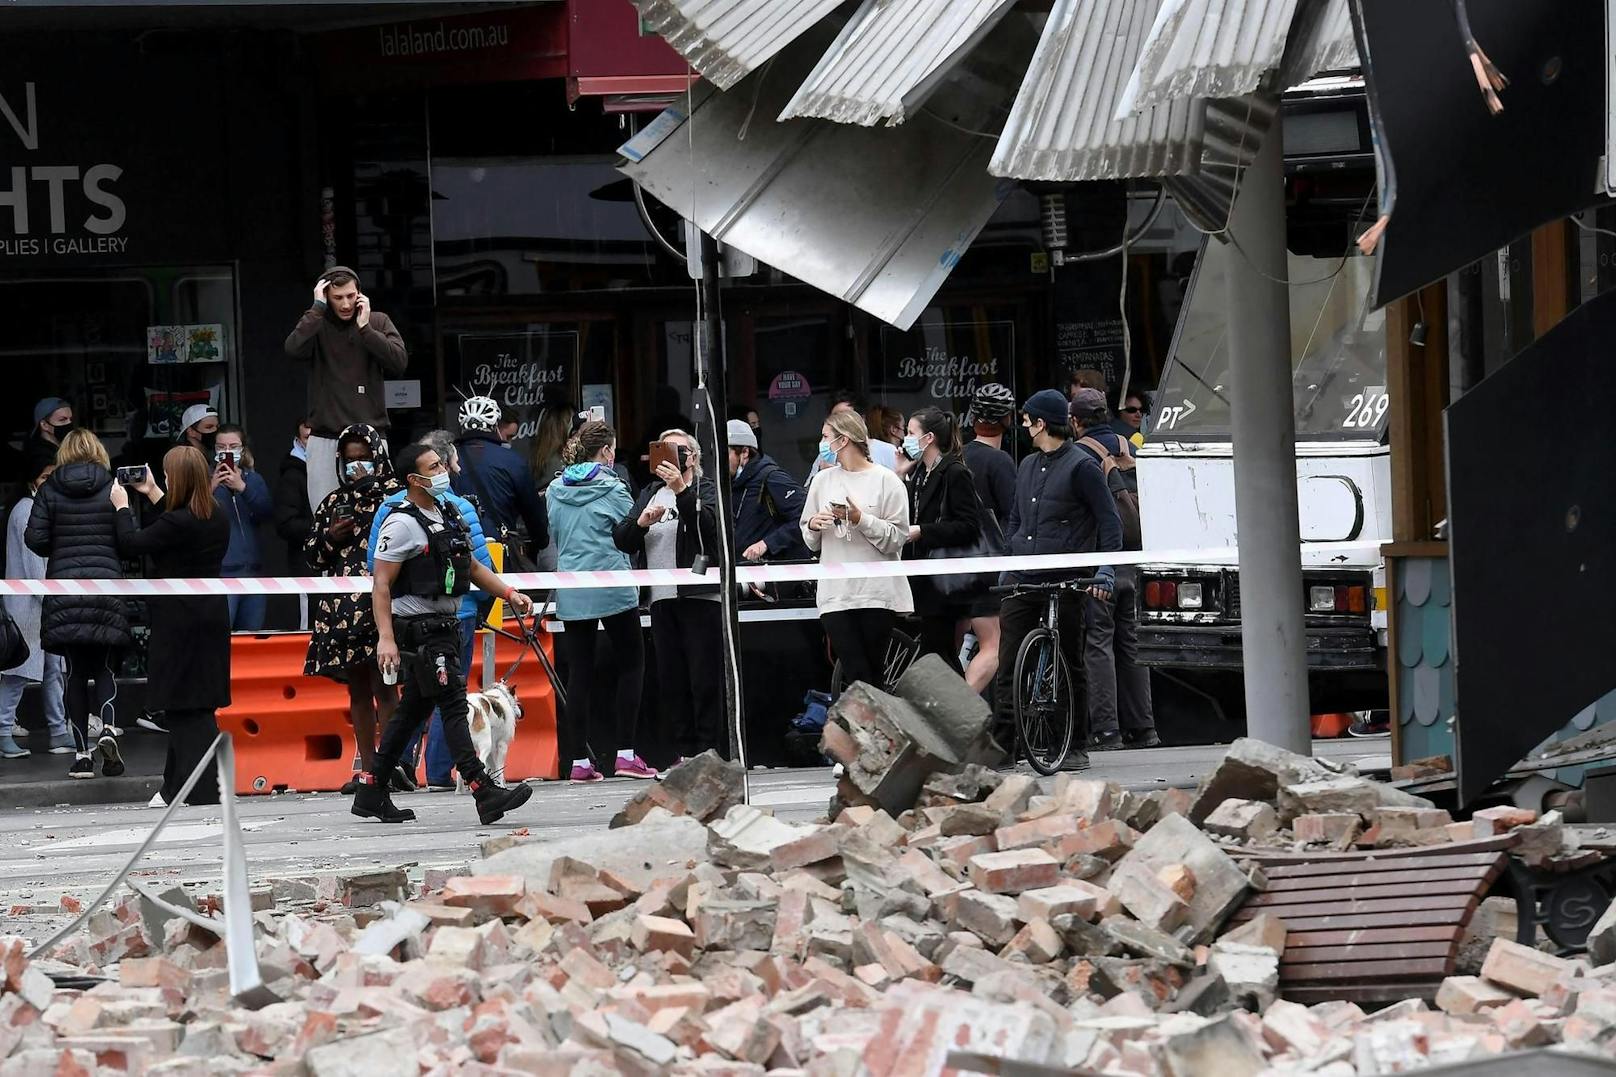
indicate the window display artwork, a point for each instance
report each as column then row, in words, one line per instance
column 164, row 408
column 184, row 343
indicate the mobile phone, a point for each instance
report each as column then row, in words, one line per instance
column 230, row 458
column 343, row 512
column 132, row 475
column 663, row 452
column 597, row 413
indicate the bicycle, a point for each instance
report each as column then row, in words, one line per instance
column 1046, row 704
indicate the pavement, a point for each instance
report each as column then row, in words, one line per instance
column 75, row 850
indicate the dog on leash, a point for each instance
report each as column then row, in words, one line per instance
column 492, row 715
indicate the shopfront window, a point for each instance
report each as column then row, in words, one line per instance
column 129, row 348
column 944, row 358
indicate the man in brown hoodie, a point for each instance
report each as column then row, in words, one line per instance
column 354, row 350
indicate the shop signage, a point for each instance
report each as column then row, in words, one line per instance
column 50, row 206
column 522, row 371
column 788, row 390
column 944, row 363
column 1090, row 344
column 498, row 45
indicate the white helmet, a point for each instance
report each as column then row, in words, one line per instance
column 479, row 413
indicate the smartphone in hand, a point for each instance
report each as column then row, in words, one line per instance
column 131, row 476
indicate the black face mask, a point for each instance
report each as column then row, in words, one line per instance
column 61, row 430
column 207, row 444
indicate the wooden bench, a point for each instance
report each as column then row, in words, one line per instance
column 1374, row 926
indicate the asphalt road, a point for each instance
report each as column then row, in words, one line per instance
column 48, row 852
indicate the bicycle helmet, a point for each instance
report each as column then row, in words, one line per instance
column 993, row 402
column 479, row 413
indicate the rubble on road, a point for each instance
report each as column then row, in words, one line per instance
column 944, row 907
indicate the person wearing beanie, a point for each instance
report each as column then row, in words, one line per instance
column 766, row 500
column 1120, row 711
column 53, row 418
column 1062, row 505
column 352, row 350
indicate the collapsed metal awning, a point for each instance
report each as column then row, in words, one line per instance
column 890, row 56
column 726, row 40
column 875, row 216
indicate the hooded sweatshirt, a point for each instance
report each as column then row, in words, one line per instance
column 350, row 366
column 585, row 505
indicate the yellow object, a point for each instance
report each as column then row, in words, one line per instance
column 496, row 615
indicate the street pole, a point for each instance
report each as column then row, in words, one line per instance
column 716, row 380
column 1272, row 630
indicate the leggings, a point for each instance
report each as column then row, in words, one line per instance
column 858, row 639
column 939, row 635
column 81, row 665
column 583, row 726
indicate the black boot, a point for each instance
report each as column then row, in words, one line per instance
column 372, row 802
column 494, row 800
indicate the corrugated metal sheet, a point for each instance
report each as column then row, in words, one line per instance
column 876, row 217
column 890, row 56
column 1062, row 126
column 1208, row 48
column 1233, row 133
column 1321, row 40
column 727, row 39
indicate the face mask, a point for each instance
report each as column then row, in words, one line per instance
column 61, row 430
column 826, row 456
column 911, row 447
column 438, row 485
column 356, row 469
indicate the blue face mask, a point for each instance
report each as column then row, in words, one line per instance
column 439, row 485
column 911, row 447
column 356, row 469
column 826, row 456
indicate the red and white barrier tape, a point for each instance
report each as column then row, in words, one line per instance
column 1323, row 552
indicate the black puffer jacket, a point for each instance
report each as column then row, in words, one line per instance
column 74, row 527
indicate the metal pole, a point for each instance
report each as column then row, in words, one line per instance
column 717, row 387
column 1272, row 631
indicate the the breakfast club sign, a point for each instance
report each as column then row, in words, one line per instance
column 944, row 363
column 522, row 371
column 51, row 204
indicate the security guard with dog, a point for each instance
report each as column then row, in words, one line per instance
column 423, row 567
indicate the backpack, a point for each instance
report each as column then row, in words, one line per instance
column 1122, row 492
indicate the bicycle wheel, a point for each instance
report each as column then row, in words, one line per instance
column 1043, row 703
column 902, row 650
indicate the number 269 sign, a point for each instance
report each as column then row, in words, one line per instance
column 1366, row 409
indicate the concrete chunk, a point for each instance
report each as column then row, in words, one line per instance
column 1220, row 885
column 1244, row 819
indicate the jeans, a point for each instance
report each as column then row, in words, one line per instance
column 582, row 716
column 1119, row 687
column 420, row 653
column 11, row 689
column 689, row 641
column 247, row 611
column 859, row 640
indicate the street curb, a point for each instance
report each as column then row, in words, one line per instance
column 130, row 789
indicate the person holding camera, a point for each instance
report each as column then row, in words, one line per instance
column 674, row 524
column 586, row 504
column 857, row 511
column 186, row 534
column 352, row 350
column 342, row 638
column 244, row 496
column 424, row 566
column 74, row 527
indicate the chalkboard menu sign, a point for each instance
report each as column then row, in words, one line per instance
column 522, row 371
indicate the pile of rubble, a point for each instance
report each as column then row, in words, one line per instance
column 945, row 910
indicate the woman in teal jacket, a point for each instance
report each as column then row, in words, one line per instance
column 585, row 505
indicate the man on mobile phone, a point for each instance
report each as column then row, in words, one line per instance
column 353, row 351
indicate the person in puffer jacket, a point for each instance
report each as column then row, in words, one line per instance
column 586, row 505
column 75, row 528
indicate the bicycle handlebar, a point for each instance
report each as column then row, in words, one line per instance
column 1065, row 585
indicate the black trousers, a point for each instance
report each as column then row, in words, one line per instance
column 1018, row 616
column 88, row 687
column 858, row 639
column 1119, row 687
column 582, row 725
column 687, row 634
column 190, row 732
column 937, row 636
column 431, row 677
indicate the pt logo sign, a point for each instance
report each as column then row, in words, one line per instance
column 61, row 209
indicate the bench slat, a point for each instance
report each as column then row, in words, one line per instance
column 1377, row 861
column 1343, row 921
column 1363, row 971
column 1286, row 898
column 1392, row 951
column 1400, row 933
column 1341, row 907
column 1477, row 875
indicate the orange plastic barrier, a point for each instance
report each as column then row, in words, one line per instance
column 292, row 732
column 1331, row 725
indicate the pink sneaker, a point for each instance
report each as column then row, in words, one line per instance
column 587, row 773
column 634, row 768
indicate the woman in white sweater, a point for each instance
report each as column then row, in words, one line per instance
column 857, row 511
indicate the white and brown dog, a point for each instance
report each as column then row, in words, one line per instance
column 492, row 715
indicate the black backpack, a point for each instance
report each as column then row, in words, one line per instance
column 14, row 649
